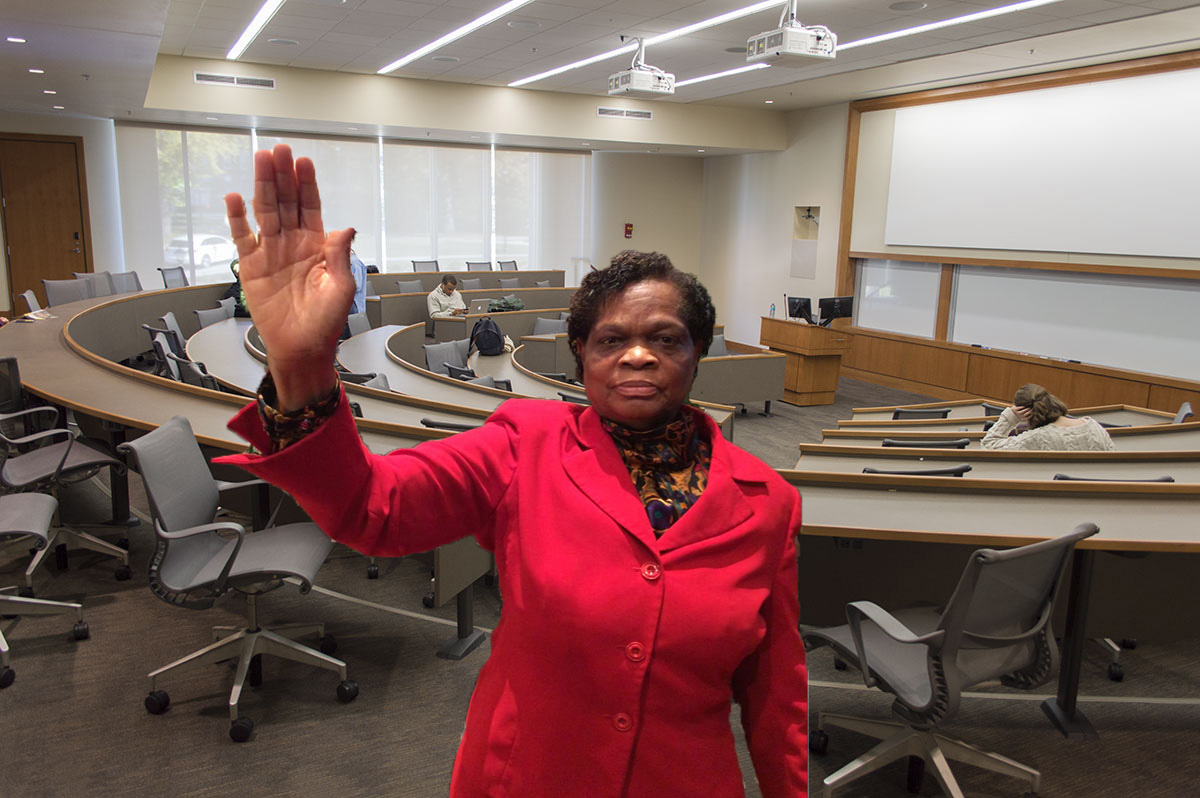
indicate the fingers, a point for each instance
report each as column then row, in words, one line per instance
column 286, row 194
column 309, row 196
column 266, row 207
column 239, row 225
column 337, row 251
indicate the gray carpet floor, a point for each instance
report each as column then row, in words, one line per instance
column 74, row 723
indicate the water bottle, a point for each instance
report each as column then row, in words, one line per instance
column 772, row 310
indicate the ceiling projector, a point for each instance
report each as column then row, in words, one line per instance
column 641, row 79
column 791, row 42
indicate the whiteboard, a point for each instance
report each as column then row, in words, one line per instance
column 898, row 296
column 1135, row 323
column 1108, row 167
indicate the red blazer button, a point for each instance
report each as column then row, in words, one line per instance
column 622, row 722
column 635, row 652
column 651, row 571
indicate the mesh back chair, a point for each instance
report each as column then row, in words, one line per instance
column 488, row 381
column 449, row 353
column 197, row 560
column 471, row 283
column 543, row 326
column 996, row 625
column 99, row 283
column 210, row 316
column 479, row 265
column 229, row 305
column 191, row 372
column 358, row 323
column 60, row 292
column 379, row 381
column 901, row 413
column 370, row 289
column 459, row 373
column 425, row 266
column 1185, row 412
column 49, row 465
column 12, row 401
column 949, row 471
column 454, row 426
column 28, row 516
column 166, row 361
column 31, row 303
column 126, row 282
column 507, row 265
column 170, row 328
column 717, row 348
column 541, row 283
column 173, row 276
column 949, row 443
column 990, row 409
column 507, row 284
column 409, row 287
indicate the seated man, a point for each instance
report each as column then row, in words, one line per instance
column 359, row 270
column 445, row 300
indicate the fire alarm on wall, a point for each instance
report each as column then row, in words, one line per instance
column 628, row 230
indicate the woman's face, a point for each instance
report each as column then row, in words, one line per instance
column 638, row 359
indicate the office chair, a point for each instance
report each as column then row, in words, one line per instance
column 1185, row 412
column 479, row 265
column 99, row 283
column 438, row 356
column 488, row 381
column 409, row 287
column 920, row 412
column 543, row 326
column 197, row 560
column 60, row 292
column 44, row 469
column 996, row 625
column 230, row 306
column 557, row 376
column 949, row 443
column 579, row 400
column 170, row 328
column 191, row 372
column 990, row 409
column 210, row 316
column 358, row 323
column 28, row 515
column 31, row 303
column 450, row 425
column 125, row 282
column 507, row 284
column 173, row 276
column 541, row 283
column 459, row 373
column 370, row 289
column 166, row 362
column 949, row 471
column 507, row 265
column 426, row 265
column 471, row 283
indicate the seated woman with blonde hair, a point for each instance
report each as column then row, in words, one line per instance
column 1049, row 425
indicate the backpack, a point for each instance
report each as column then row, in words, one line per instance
column 486, row 337
column 510, row 302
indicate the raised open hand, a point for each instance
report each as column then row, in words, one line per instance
column 297, row 280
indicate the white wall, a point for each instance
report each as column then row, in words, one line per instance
column 104, row 199
column 660, row 195
column 746, row 227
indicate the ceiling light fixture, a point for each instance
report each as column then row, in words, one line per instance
column 726, row 73
column 455, row 35
column 769, row 102
column 49, row 91
column 524, row 24
column 945, row 23
column 60, row 108
column 16, row 40
column 37, row 71
column 212, row 118
column 285, row 42
column 255, row 27
column 652, row 40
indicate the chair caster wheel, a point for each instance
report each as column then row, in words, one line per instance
column 25, row 592
column 839, row 664
column 123, row 573
column 328, row 645
column 157, row 702
column 123, row 543
column 347, row 691
column 372, row 571
column 1116, row 671
column 81, row 631
column 7, row 675
column 818, row 742
column 241, row 729
column 427, row 601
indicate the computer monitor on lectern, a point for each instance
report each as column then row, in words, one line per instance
column 835, row 307
column 800, row 307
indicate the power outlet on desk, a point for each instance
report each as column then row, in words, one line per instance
column 848, row 543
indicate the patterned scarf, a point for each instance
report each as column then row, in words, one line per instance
column 669, row 466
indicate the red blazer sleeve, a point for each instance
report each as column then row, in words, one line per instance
column 771, row 686
column 389, row 505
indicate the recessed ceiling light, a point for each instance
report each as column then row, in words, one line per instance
column 908, row 5
column 49, row 91
column 735, row 50
column 945, row 23
column 285, row 42
column 37, row 71
column 16, row 40
column 455, row 35
column 60, row 108
column 476, row 137
column 768, row 102
column 212, row 118
column 328, row 2
column 699, row 150
column 585, row 144
column 446, row 59
column 351, row 127
column 524, row 24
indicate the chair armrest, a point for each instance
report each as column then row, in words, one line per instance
column 30, row 411
column 224, row 486
column 38, row 436
column 889, row 625
column 215, row 526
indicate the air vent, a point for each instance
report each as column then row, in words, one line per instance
column 213, row 78
column 623, row 113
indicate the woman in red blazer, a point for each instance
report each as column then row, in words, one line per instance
column 647, row 565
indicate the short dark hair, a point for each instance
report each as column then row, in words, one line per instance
column 448, row 279
column 627, row 268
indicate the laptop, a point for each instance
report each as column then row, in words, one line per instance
column 479, row 305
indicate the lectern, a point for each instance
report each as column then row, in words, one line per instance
column 814, row 358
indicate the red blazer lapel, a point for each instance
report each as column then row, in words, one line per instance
column 723, row 505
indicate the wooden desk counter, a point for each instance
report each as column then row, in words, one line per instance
column 814, row 358
column 1155, row 437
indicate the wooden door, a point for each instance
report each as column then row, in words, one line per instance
column 45, row 216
